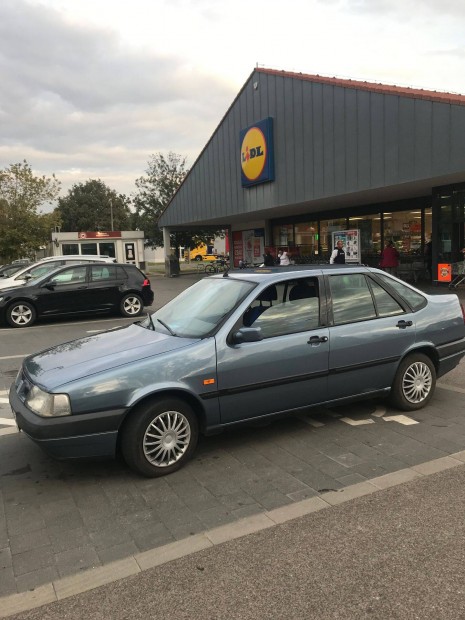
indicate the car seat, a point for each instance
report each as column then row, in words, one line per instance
column 270, row 294
column 302, row 291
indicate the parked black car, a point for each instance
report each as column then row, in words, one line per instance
column 75, row 290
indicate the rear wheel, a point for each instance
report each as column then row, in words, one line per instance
column 131, row 305
column 160, row 437
column 21, row 314
column 414, row 383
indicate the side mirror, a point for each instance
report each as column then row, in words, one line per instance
column 27, row 276
column 247, row 334
column 49, row 285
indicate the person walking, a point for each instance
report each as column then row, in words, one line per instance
column 389, row 258
column 338, row 256
column 284, row 259
column 268, row 260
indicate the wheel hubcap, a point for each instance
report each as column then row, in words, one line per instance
column 167, row 438
column 132, row 305
column 21, row 315
column 417, row 382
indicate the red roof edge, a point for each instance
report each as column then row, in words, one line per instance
column 385, row 89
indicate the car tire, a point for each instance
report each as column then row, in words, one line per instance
column 131, row 305
column 159, row 437
column 21, row 314
column 198, row 257
column 414, row 383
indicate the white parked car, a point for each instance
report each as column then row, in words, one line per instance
column 49, row 264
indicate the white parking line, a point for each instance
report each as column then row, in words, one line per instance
column 402, row 419
column 357, row 422
column 4, row 401
column 7, row 422
column 14, row 357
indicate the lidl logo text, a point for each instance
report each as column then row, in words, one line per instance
column 253, row 153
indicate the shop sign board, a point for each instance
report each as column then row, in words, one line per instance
column 257, row 156
column 351, row 243
column 100, row 234
column 444, row 272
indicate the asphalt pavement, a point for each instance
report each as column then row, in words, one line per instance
column 392, row 553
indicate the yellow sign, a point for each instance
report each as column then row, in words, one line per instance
column 253, row 153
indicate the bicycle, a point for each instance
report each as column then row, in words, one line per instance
column 217, row 266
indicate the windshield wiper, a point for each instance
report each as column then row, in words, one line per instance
column 166, row 327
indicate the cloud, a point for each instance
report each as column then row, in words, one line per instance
column 75, row 97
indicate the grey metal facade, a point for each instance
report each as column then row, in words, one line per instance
column 335, row 145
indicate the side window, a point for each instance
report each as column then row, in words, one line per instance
column 285, row 308
column 102, row 272
column 415, row 300
column 41, row 270
column 351, row 298
column 72, row 275
column 386, row 305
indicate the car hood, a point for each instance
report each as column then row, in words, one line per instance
column 100, row 352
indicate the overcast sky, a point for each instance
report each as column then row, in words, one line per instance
column 91, row 88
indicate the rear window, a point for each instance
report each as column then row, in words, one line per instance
column 414, row 299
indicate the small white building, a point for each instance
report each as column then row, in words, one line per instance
column 127, row 246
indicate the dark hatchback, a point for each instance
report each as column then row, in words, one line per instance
column 75, row 290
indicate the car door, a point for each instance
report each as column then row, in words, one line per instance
column 284, row 371
column 65, row 292
column 371, row 330
column 103, row 286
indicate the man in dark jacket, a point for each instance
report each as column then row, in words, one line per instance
column 338, row 255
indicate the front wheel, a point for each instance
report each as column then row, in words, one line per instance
column 21, row 314
column 131, row 305
column 414, row 383
column 160, row 437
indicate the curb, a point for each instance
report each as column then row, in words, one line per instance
column 135, row 564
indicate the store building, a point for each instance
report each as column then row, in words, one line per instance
column 126, row 246
column 299, row 157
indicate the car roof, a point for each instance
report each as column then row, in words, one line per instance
column 271, row 274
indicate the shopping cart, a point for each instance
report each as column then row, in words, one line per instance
column 458, row 271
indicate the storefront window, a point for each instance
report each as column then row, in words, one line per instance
column 70, row 248
column 370, row 237
column 107, row 249
column 404, row 229
column 89, row 248
column 283, row 235
column 306, row 238
column 326, row 228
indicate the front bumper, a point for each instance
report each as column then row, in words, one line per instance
column 70, row 437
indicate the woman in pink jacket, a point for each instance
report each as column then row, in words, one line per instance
column 389, row 258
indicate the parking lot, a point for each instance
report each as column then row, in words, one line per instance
column 59, row 518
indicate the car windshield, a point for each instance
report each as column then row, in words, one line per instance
column 199, row 310
column 38, row 271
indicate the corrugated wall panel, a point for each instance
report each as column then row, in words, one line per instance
column 329, row 140
column 391, row 140
column 377, row 144
column 350, row 139
column 406, row 139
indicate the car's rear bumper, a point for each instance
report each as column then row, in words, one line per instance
column 449, row 356
column 70, row 437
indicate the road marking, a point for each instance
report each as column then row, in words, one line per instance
column 4, row 401
column 13, row 357
column 357, row 422
column 8, row 431
column 310, row 421
column 380, row 411
column 7, row 422
column 401, row 419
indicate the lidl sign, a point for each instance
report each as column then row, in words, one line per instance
column 257, row 161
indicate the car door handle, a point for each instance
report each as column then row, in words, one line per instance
column 404, row 324
column 317, row 339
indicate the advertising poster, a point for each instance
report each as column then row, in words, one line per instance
column 351, row 243
column 249, row 246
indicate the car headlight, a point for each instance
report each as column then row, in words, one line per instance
column 47, row 405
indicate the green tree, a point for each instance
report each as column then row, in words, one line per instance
column 23, row 229
column 163, row 177
column 93, row 206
